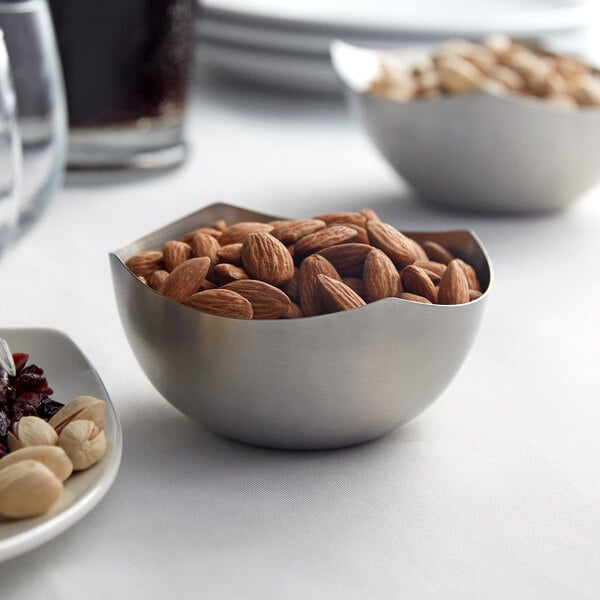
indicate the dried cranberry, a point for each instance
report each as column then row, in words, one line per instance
column 20, row 359
column 25, row 394
column 48, row 408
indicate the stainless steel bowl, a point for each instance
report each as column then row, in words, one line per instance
column 481, row 151
column 310, row 383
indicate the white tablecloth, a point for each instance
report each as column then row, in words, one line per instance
column 493, row 493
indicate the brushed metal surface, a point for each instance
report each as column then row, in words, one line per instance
column 310, row 383
column 480, row 151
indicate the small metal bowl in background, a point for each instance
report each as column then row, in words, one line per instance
column 309, row 383
column 480, row 151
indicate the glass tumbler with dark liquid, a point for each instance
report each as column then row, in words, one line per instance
column 126, row 66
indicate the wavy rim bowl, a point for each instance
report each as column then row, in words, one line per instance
column 309, row 383
column 481, row 151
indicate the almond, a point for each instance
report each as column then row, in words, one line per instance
column 311, row 267
column 348, row 259
column 436, row 252
column 414, row 298
column 419, row 252
column 353, row 218
column 395, row 244
column 204, row 244
column 239, row 231
column 294, row 312
column 268, row 302
column 454, row 287
column 336, row 295
column 470, row 274
column 175, row 253
column 416, row 281
column 267, row 259
column 474, row 294
column 380, row 276
column 184, row 280
column 145, row 263
column 207, row 285
column 330, row 236
column 232, row 253
column 212, row 231
column 430, row 265
column 224, row 273
column 157, row 279
column 361, row 233
column 355, row 284
column 291, row 288
column 220, row 302
column 369, row 214
column 219, row 224
column 292, row 231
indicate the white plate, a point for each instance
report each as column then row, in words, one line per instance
column 469, row 16
column 315, row 43
column 275, row 69
column 69, row 374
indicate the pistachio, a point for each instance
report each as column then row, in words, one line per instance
column 53, row 457
column 31, row 431
column 27, row 489
column 84, row 442
column 82, row 407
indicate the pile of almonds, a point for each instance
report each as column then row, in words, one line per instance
column 301, row 268
column 43, row 454
column 497, row 65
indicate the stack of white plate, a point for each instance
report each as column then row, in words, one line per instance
column 286, row 44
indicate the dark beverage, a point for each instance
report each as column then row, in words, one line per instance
column 124, row 60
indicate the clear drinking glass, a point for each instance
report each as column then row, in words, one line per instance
column 10, row 152
column 41, row 112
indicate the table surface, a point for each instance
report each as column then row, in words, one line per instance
column 494, row 492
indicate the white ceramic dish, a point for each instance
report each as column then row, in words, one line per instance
column 468, row 16
column 482, row 151
column 70, row 374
